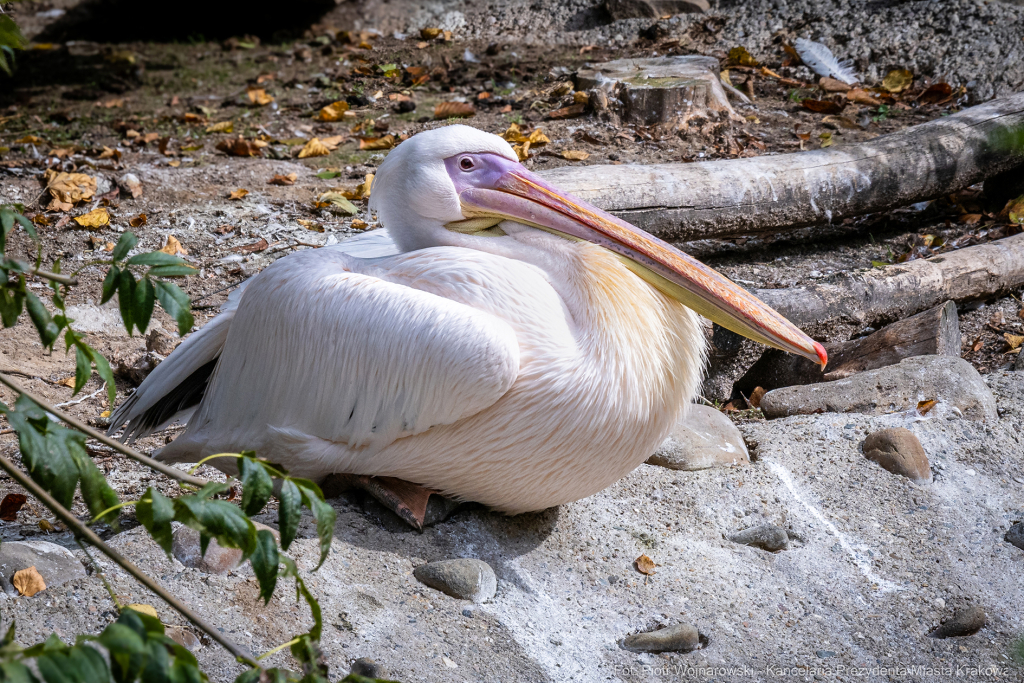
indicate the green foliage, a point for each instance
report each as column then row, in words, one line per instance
column 1008, row 138
column 10, row 40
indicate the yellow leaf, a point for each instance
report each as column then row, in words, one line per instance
column 259, row 97
column 105, row 413
column 314, row 148
column 69, row 188
column 1014, row 340
column 575, row 155
column 29, row 140
column 739, row 56
column 45, row 525
column 358, row 224
column 311, row 225
column 924, row 406
column 143, row 609
column 28, row 582
column 897, row 80
column 238, row 194
column 429, row 33
column 222, row 127
column 522, row 151
column 173, row 246
column 538, row 138
column 285, row 180
column 826, row 139
column 363, row 190
column 93, row 220
column 513, row 134
column 68, row 382
column 385, row 142
column 138, row 221
column 334, row 112
column 645, row 565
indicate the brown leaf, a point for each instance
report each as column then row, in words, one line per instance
column 897, row 80
column 822, row 106
column 513, row 134
column 259, row 97
column 862, row 97
column 28, row 582
column 173, row 247
column 334, row 112
column 832, row 85
column 645, row 565
column 252, row 248
column 69, row 188
column 221, row 127
column 69, row 382
column 358, row 224
column 314, row 148
column 522, row 151
column 138, row 221
column 238, row 194
column 842, row 122
column 924, row 406
column 93, row 220
column 240, row 147
column 456, row 110
column 568, row 112
column 537, row 138
column 385, row 142
column 279, row 179
column 430, row 33
column 10, row 505
column 978, row 345
column 755, row 397
column 1014, row 340
column 935, row 93
column 970, row 218
column 575, row 155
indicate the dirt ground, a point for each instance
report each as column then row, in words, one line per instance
column 111, row 109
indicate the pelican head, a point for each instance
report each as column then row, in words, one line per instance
column 460, row 186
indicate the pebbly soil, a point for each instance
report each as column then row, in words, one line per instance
column 86, row 96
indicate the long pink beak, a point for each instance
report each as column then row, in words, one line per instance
column 497, row 187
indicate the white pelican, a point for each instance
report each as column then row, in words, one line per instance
column 502, row 342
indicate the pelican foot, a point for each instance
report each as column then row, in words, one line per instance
column 417, row 506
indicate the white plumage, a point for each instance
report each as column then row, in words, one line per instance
column 821, row 61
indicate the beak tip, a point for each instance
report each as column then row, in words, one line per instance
column 822, row 354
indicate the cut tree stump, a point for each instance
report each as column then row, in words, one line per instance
column 661, row 91
column 679, row 202
column 899, row 291
column 933, row 332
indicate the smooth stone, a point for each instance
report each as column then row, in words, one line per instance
column 463, row 578
column 899, row 451
column 964, row 623
column 55, row 563
column 1015, row 536
column 704, row 438
column 364, row 666
column 766, row 537
column 891, row 389
column 186, row 639
column 677, row 638
column 654, row 9
column 217, row 560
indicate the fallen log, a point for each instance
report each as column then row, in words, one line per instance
column 885, row 295
column 933, row 332
column 679, row 202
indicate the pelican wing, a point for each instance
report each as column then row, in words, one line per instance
column 326, row 345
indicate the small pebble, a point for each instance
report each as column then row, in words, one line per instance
column 963, row 623
column 463, row 578
column 766, row 537
column 677, row 638
column 364, row 666
column 898, row 451
column 1015, row 536
column 186, row 639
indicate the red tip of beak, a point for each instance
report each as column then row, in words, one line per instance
column 822, row 354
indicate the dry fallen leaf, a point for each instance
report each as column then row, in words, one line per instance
column 279, row 179
column 45, row 525
column 68, row 381
column 28, row 582
column 143, row 609
column 259, row 97
column 568, row 112
column 833, row 85
column 645, row 565
column 575, row 155
column 924, row 406
column 1014, row 340
column 842, row 122
column 173, row 247
column 454, row 110
column 240, row 147
column 337, row 202
column 970, row 218
column 822, row 106
column 333, row 112
column 314, row 148
column 897, row 80
column 935, row 93
column 429, row 33
column 93, row 220
column 978, row 345
column 522, row 151
column 385, row 142
column 826, row 139
column 755, row 397
column 222, row 127
column 252, row 248
column 10, row 506
column 538, row 138
column 239, row 193
column 738, row 56
column 137, row 221
column 860, row 96
column 69, row 188
column 358, row 224
column 513, row 134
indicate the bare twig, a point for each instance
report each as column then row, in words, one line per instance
column 84, row 532
column 163, row 468
column 47, row 275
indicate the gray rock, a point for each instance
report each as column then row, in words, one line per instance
column 949, row 380
column 463, row 578
column 766, row 537
column 364, row 666
column 654, row 9
column 1019, row 363
column 963, row 623
column 677, row 638
column 218, row 560
column 899, row 451
column 1015, row 536
column 704, row 438
column 55, row 563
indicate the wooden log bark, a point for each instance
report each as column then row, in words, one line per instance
column 679, row 202
column 895, row 292
column 932, row 332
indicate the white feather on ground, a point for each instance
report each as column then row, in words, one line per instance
column 821, row 61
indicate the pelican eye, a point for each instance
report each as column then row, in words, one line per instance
column 466, row 164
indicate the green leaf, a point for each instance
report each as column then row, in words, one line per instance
column 83, row 368
column 103, row 370
column 264, row 563
column 219, row 519
column 16, row 672
column 96, row 493
column 289, row 512
column 127, row 650
column 125, row 298
column 142, row 304
column 46, row 450
column 325, row 517
column 26, row 224
column 300, row 590
column 257, row 486
column 155, row 258
column 155, row 511
column 47, row 329
column 110, row 283
column 158, row 663
column 11, row 302
column 327, row 175
column 171, row 271
column 176, row 303
column 124, row 245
